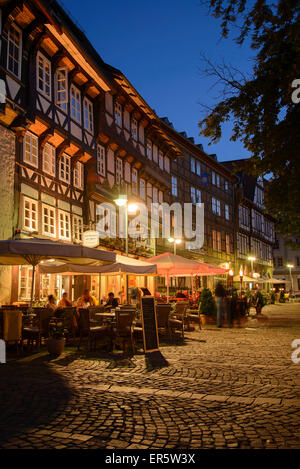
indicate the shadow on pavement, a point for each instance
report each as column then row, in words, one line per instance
column 31, row 396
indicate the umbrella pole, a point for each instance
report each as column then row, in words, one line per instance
column 168, row 288
column 32, row 285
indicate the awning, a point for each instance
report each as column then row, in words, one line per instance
column 123, row 264
column 176, row 266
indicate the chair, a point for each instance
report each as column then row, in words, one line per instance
column 178, row 319
column 12, row 327
column 193, row 315
column 162, row 315
column 69, row 321
column 124, row 328
column 36, row 327
column 92, row 333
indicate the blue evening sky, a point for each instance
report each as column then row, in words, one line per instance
column 157, row 45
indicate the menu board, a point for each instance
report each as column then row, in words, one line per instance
column 150, row 333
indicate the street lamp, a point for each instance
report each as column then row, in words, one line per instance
column 176, row 243
column 252, row 260
column 290, row 267
column 121, row 202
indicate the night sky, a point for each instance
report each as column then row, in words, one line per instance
column 157, row 45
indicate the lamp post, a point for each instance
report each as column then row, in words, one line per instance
column 121, row 202
column 241, row 278
column 176, row 242
column 252, row 259
column 290, row 267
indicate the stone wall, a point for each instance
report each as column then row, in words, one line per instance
column 7, row 170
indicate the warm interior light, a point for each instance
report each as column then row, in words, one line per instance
column 241, row 272
column 251, row 258
column 121, row 201
column 132, row 208
column 178, row 241
column 230, row 273
column 290, row 266
column 171, row 240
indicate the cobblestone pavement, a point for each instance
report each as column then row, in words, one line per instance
column 224, row 388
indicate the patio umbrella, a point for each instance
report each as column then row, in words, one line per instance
column 246, row 279
column 171, row 265
column 32, row 251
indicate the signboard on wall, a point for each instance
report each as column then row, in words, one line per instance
column 90, row 238
column 150, row 333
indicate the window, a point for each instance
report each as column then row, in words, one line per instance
column 14, row 50
column 30, row 214
column 65, row 168
column 243, row 244
column 43, row 75
column 149, row 149
column 216, row 206
column 75, row 104
column 49, row 159
column 174, row 186
column 142, row 189
column 227, row 242
column 78, row 175
column 218, row 180
column 213, row 178
column 226, row 186
column 77, row 228
column 155, row 195
column 118, row 114
column 61, row 87
column 167, row 164
column 227, row 215
column 119, row 171
column 101, row 166
column 134, row 185
column 279, row 261
column 198, row 196
column 193, row 195
column 161, row 160
column 198, row 168
column 193, row 165
column 298, row 261
column 244, row 217
column 25, row 279
column 64, row 225
column 259, row 197
column 48, row 221
column 134, row 128
column 31, row 154
column 217, row 243
column 88, row 115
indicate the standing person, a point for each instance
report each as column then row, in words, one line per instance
column 220, row 294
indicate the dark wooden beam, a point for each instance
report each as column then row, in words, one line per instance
column 76, row 158
column 62, row 148
column 44, row 138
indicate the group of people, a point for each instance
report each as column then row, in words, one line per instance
column 84, row 301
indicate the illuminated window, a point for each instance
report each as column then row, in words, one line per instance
column 78, row 175
column 65, row 168
column 77, row 228
column 49, row 159
column 48, row 221
column 119, row 171
column 30, row 214
column 101, row 166
column 64, row 225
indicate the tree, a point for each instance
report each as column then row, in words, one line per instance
column 264, row 115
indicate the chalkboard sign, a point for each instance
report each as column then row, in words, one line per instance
column 150, row 333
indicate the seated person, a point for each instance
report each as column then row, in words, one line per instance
column 179, row 294
column 112, row 302
column 85, row 300
column 51, row 303
column 64, row 302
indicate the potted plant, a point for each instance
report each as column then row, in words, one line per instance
column 207, row 306
column 56, row 340
column 260, row 302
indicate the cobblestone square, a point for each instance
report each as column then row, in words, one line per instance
column 223, row 388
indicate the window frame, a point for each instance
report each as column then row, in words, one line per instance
column 62, row 161
column 174, row 185
column 78, row 169
column 101, row 160
column 19, row 30
column 47, row 232
column 31, row 202
column 76, row 90
column 119, row 171
column 134, row 181
column 134, row 129
column 66, row 215
column 36, row 157
column 45, row 62
column 77, row 226
column 62, row 104
column 51, row 163
column 118, row 114
column 88, row 109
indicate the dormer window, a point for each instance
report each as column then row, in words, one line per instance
column 14, row 50
column 118, row 114
column 75, row 104
column 43, row 75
